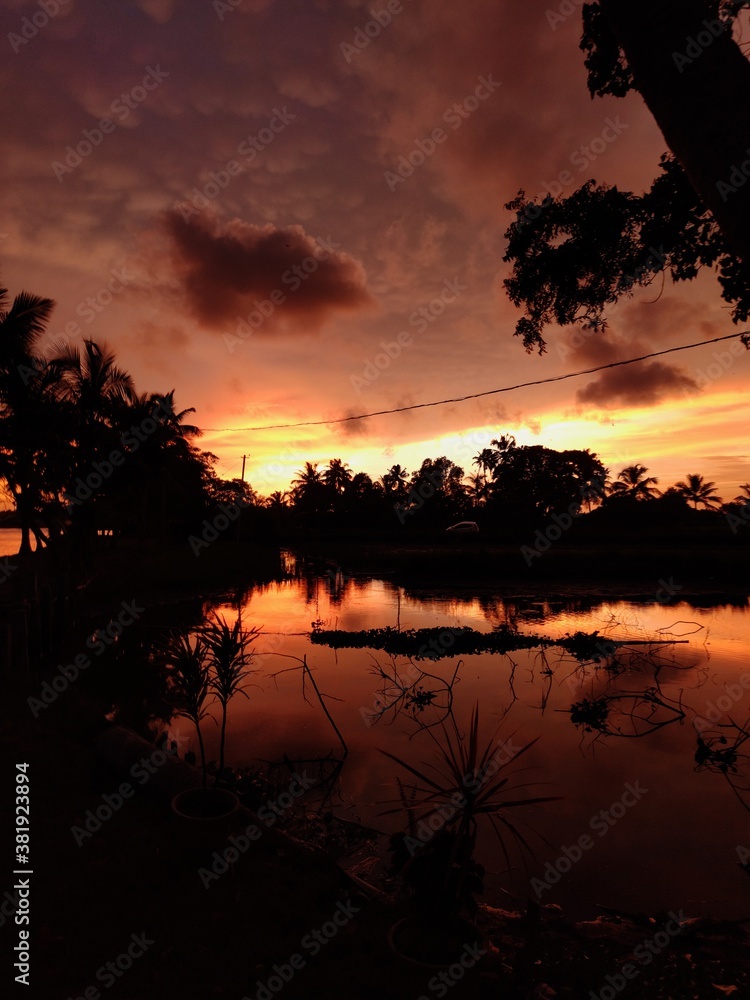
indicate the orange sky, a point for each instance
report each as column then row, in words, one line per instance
column 168, row 165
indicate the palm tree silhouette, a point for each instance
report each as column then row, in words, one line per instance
column 277, row 500
column 27, row 430
column 478, row 489
column 92, row 381
column 697, row 491
column 338, row 475
column 633, row 482
column 486, row 460
column 395, row 480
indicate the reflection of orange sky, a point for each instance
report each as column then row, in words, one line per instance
column 277, row 720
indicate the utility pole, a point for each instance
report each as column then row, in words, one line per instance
column 239, row 516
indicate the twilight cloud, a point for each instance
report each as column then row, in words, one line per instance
column 230, row 270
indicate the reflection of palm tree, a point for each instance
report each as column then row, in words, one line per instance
column 633, row 482
column 697, row 491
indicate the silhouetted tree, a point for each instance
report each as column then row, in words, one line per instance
column 633, row 482
column 574, row 256
column 697, row 491
column 33, row 446
column 396, row 482
column 337, row 475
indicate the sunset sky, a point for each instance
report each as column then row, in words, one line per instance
column 169, row 164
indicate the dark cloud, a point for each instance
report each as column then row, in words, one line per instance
column 636, row 385
column 226, row 271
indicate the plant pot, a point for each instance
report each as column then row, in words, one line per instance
column 434, row 942
column 204, row 818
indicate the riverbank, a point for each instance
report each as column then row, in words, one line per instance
column 630, row 571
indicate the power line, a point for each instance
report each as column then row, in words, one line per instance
column 478, row 395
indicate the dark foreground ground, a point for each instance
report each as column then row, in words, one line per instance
column 131, row 878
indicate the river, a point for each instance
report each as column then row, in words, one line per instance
column 654, row 830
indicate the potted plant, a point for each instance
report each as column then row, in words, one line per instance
column 228, row 660
column 207, row 812
column 435, row 860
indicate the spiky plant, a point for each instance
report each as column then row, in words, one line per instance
column 467, row 784
column 228, row 660
column 190, row 682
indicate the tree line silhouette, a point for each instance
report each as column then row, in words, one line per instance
column 82, row 452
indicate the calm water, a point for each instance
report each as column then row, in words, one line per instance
column 675, row 846
column 10, row 541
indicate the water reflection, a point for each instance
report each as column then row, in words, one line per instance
column 663, row 702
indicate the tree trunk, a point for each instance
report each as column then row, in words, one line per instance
column 25, row 539
column 696, row 84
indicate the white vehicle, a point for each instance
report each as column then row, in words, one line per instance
column 464, row 528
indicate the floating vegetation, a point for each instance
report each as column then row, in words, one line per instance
column 434, row 643
column 591, row 714
column 430, row 643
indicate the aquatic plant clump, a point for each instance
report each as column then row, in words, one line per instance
column 430, row 643
column 434, row 643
